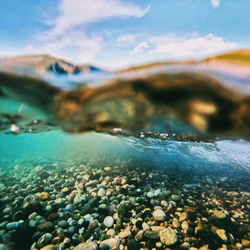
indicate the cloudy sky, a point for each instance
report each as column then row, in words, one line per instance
column 117, row 33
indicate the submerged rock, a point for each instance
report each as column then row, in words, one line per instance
column 86, row 246
column 168, row 236
column 159, row 215
column 108, row 221
column 109, row 244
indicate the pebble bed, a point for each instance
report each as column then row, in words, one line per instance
column 82, row 207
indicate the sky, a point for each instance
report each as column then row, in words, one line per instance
column 119, row 33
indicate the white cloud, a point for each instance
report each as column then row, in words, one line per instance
column 215, row 3
column 141, row 47
column 74, row 45
column 195, row 47
column 75, row 13
column 67, row 31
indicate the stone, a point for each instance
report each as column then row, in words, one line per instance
column 184, row 226
column 91, row 183
column 44, row 240
column 205, row 247
column 108, row 221
column 33, row 223
column 185, row 245
column 145, row 226
column 157, row 192
column 159, row 215
column 175, row 197
column 111, row 232
column 71, row 230
column 139, row 235
column 219, row 214
column 12, row 225
column 164, row 203
column 86, row 246
column 69, row 207
column 93, row 224
column 157, row 228
column 158, row 245
column 149, row 234
column 65, row 190
column 168, row 236
column 50, row 247
column 125, row 233
column 43, row 195
column 222, row 234
column 111, row 243
column 79, row 199
column 183, row 216
column 245, row 243
column 46, row 226
column 63, row 224
column 175, row 223
column 2, row 247
column 101, row 192
column 107, row 169
column 150, row 195
column 123, row 208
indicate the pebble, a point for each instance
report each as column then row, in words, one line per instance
column 184, row 226
column 109, row 244
column 65, row 190
column 175, row 197
column 43, row 195
column 107, row 169
column 33, row 223
column 125, row 233
column 91, row 183
column 108, row 221
column 159, row 215
column 168, row 236
column 111, row 232
column 157, row 192
column 139, row 235
column 222, row 234
column 150, row 195
column 158, row 244
column 245, row 243
column 44, row 240
column 12, row 225
column 50, row 247
column 219, row 214
column 101, row 192
column 86, row 246
column 149, row 234
column 46, row 226
column 175, row 223
column 63, row 224
column 93, row 224
column 157, row 228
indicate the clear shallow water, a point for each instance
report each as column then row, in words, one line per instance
column 173, row 142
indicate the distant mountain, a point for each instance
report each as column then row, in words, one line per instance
column 50, row 64
column 237, row 57
column 241, row 56
column 59, row 66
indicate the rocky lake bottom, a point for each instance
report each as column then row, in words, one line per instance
column 77, row 205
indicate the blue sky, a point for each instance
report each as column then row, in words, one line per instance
column 117, row 33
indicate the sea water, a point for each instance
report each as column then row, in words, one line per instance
column 148, row 185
